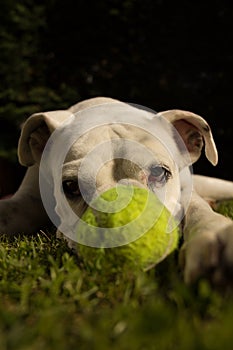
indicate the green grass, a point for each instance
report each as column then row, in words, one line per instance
column 48, row 300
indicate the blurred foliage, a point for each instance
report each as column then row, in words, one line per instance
column 160, row 53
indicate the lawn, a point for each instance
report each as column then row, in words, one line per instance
column 50, row 301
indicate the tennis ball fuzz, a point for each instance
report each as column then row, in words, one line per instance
column 126, row 226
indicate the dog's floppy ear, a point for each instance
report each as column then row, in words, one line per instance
column 194, row 131
column 36, row 132
column 38, row 128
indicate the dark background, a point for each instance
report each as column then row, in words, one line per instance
column 157, row 53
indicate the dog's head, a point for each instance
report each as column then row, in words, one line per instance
column 101, row 142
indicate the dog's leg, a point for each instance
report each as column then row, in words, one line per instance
column 24, row 212
column 208, row 243
column 213, row 189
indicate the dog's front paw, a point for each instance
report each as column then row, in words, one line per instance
column 209, row 255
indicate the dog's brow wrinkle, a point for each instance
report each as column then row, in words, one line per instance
column 117, row 129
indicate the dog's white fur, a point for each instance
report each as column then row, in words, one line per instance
column 208, row 236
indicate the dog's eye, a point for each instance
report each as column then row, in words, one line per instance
column 159, row 175
column 71, row 187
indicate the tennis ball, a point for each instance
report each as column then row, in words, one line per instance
column 126, row 226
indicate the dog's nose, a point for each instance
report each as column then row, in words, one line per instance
column 125, row 182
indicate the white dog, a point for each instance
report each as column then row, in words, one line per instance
column 101, row 142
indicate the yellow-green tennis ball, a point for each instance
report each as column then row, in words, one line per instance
column 127, row 226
